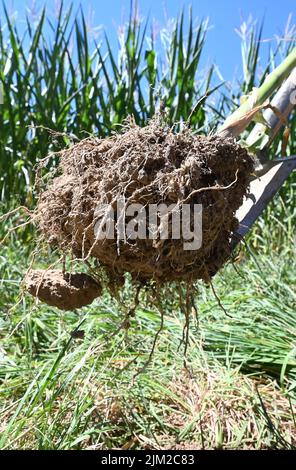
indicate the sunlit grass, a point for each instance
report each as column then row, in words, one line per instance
column 60, row 392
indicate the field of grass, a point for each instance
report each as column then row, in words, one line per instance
column 76, row 380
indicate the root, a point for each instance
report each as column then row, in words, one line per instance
column 218, row 300
column 15, row 228
column 148, row 362
column 15, row 211
column 211, row 188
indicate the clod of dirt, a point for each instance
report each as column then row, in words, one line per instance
column 150, row 165
column 66, row 291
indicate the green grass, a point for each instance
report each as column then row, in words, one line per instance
column 236, row 391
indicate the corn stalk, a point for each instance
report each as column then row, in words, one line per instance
column 256, row 101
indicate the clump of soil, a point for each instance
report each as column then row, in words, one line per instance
column 150, row 165
column 66, row 291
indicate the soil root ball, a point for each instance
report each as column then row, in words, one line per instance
column 66, row 291
column 145, row 166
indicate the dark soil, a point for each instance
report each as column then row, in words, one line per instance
column 149, row 165
column 63, row 290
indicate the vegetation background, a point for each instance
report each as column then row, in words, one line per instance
column 65, row 390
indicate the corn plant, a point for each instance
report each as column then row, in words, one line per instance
column 72, row 85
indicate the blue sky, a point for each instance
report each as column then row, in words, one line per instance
column 223, row 45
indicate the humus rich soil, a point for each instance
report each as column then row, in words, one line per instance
column 149, row 165
column 63, row 290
